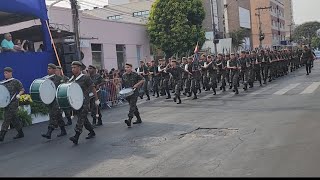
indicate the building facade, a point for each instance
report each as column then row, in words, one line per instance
column 288, row 14
column 273, row 23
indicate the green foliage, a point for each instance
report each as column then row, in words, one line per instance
column 238, row 38
column 315, row 42
column 175, row 26
column 25, row 118
column 306, row 32
column 39, row 108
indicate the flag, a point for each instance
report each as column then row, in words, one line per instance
column 196, row 50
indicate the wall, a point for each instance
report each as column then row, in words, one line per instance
column 108, row 34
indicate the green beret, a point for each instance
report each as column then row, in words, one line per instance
column 78, row 63
column 92, row 66
column 53, row 66
column 8, row 69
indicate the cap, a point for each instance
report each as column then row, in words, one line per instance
column 92, row 66
column 76, row 63
column 52, row 66
column 59, row 67
column 141, row 61
column 127, row 64
column 173, row 60
column 8, row 69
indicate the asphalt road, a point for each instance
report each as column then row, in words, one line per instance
column 268, row 131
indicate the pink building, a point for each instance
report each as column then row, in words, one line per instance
column 106, row 44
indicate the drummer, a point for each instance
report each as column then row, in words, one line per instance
column 87, row 86
column 95, row 110
column 133, row 80
column 14, row 86
column 55, row 114
column 65, row 79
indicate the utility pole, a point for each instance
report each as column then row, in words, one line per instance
column 261, row 35
column 75, row 21
column 213, row 28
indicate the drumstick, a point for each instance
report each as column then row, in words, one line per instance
column 72, row 114
column 97, row 113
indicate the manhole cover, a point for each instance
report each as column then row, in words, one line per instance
column 210, row 133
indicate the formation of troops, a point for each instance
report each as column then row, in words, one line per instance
column 187, row 76
column 221, row 72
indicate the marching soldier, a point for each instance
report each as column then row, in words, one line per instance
column 257, row 68
column 154, row 71
column 244, row 71
column 184, row 74
column 165, row 77
column 211, row 68
column 234, row 66
column 133, row 80
column 188, row 69
column 95, row 110
column 55, row 114
column 15, row 89
column 265, row 63
column 143, row 70
column 307, row 57
column 64, row 79
column 221, row 63
column 87, row 86
column 176, row 72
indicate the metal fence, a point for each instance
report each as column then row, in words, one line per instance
column 109, row 93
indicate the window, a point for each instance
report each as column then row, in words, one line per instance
column 121, row 55
column 96, row 50
column 141, row 13
column 138, row 53
column 116, row 17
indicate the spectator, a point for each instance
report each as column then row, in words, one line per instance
column 111, row 72
column 19, row 46
column 7, row 44
column 41, row 48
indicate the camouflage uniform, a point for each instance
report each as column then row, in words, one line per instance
column 10, row 112
column 145, row 69
column 65, row 79
column 155, row 79
column 177, row 77
column 129, row 80
column 55, row 113
column 96, row 79
column 86, row 85
column 234, row 73
column 244, row 73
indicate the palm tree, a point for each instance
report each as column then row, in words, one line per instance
column 238, row 38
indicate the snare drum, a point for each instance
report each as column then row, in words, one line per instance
column 70, row 96
column 126, row 92
column 43, row 91
column 4, row 96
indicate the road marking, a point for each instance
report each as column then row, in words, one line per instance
column 262, row 90
column 309, row 90
column 286, row 89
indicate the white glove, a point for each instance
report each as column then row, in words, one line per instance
column 97, row 102
column 18, row 96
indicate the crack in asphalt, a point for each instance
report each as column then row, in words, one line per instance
column 200, row 128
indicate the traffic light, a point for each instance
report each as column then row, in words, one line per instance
column 261, row 37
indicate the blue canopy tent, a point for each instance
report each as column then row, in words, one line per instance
column 30, row 65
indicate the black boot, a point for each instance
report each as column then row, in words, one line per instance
column 148, row 99
column 99, row 121
column 214, row 91
column 179, row 100
column 139, row 121
column 223, row 89
column 195, row 96
column 236, row 90
column 189, row 94
column 157, row 95
column 48, row 135
column 175, row 99
column 128, row 122
column 63, row 132
column 94, row 121
column 19, row 135
column 91, row 135
column 75, row 138
column 169, row 97
column 2, row 135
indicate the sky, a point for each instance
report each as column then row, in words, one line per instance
column 306, row 10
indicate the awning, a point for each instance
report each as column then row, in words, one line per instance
column 34, row 34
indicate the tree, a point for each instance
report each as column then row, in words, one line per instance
column 315, row 42
column 304, row 33
column 238, row 37
column 175, row 26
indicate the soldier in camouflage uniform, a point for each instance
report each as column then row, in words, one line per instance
column 65, row 79
column 233, row 65
column 244, row 72
column 307, row 57
column 87, row 86
column 14, row 87
column 143, row 70
column 154, row 71
column 184, row 74
column 188, row 68
column 133, row 80
column 265, row 63
column 55, row 114
column 176, row 72
column 95, row 110
column 211, row 69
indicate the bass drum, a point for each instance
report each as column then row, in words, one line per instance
column 70, row 96
column 43, row 91
column 4, row 96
